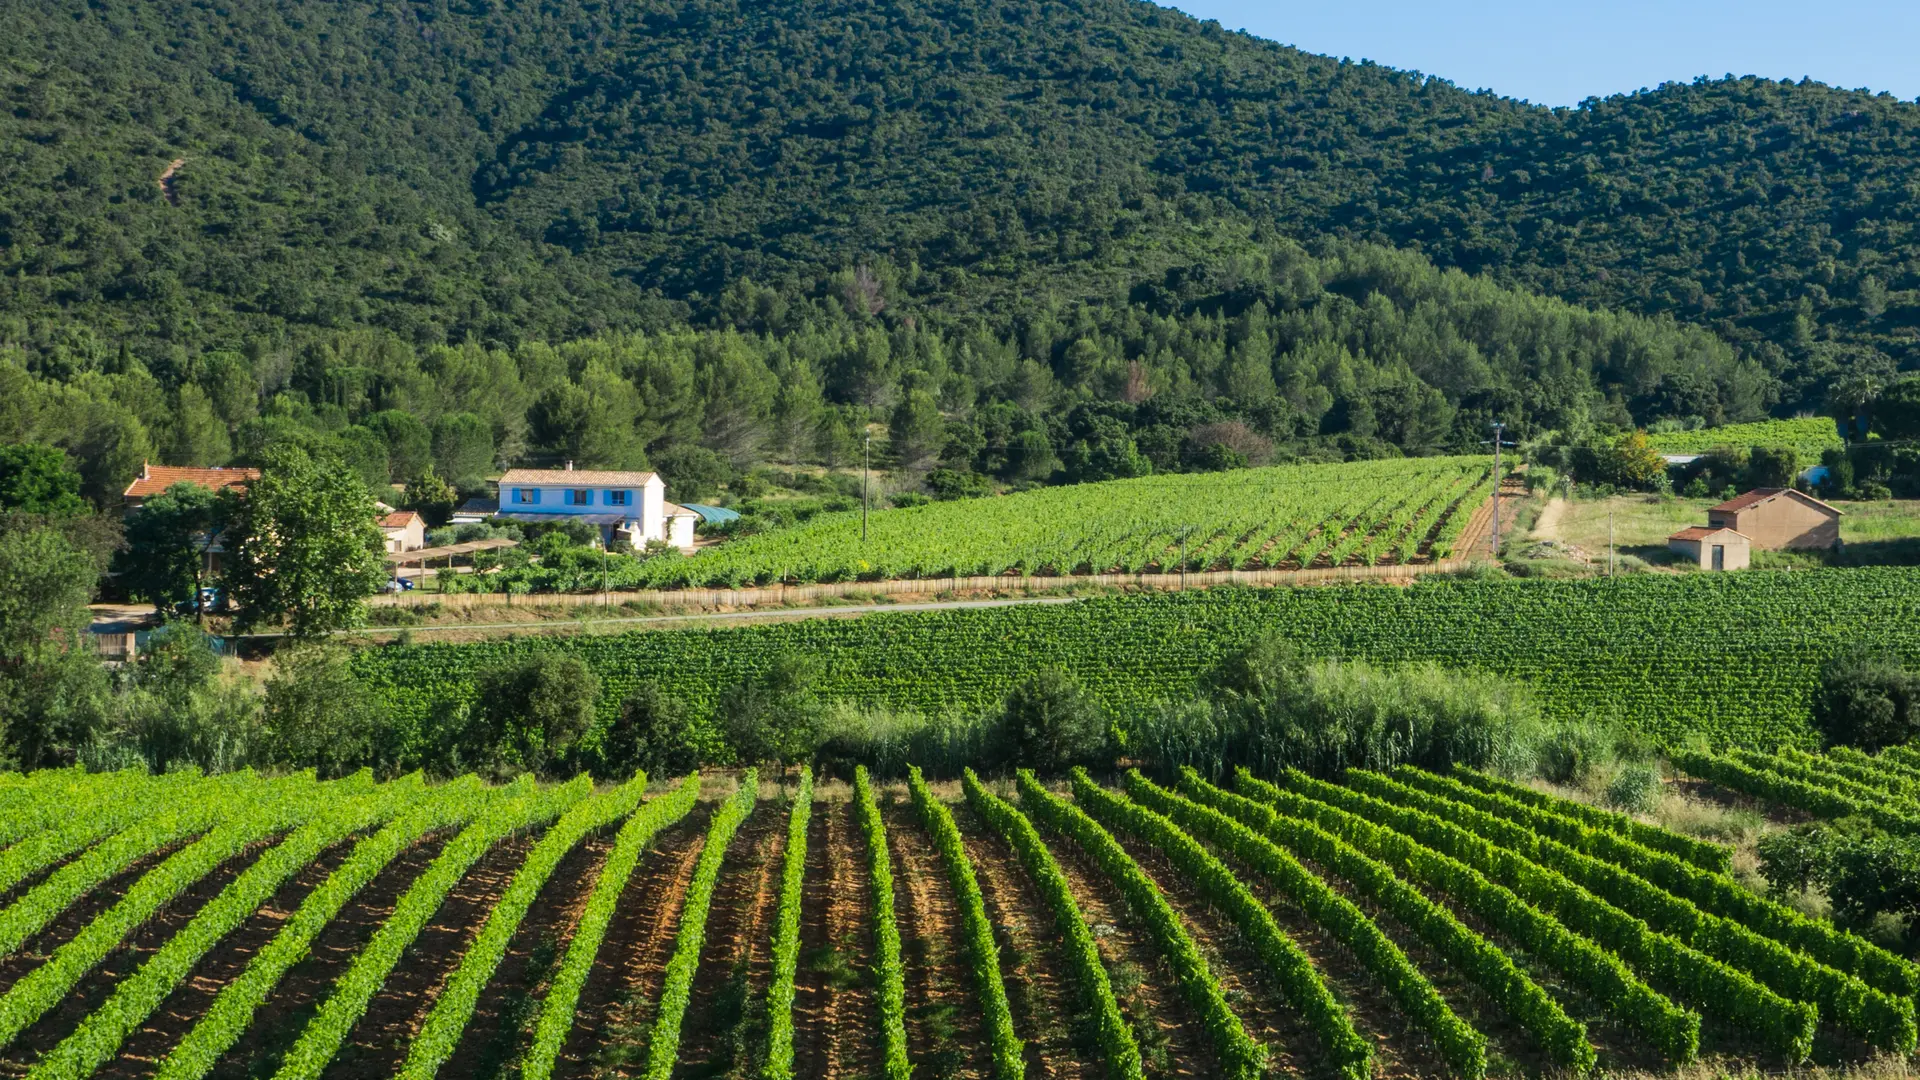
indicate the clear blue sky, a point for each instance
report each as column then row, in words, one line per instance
column 1560, row 53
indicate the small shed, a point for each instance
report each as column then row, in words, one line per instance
column 1712, row 549
column 404, row 530
column 1775, row 518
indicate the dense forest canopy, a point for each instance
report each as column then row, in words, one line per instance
column 1027, row 204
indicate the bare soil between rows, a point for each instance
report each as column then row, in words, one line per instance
column 141, row 1054
column 134, row 950
column 279, row 1020
column 608, row 1038
column 377, row 1046
column 508, row 1007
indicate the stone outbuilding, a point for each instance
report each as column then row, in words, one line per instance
column 1712, row 549
column 1777, row 518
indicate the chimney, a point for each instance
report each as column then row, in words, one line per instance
column 569, row 466
column 146, row 470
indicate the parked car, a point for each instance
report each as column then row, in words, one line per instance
column 205, row 602
column 397, row 584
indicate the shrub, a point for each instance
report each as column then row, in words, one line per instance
column 773, row 714
column 319, row 714
column 528, row 714
column 1867, row 700
column 1865, row 872
column 1051, row 724
column 653, row 732
column 1571, row 753
column 1277, row 711
column 1635, row 788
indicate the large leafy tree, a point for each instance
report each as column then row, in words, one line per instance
column 529, row 714
column 304, row 545
column 167, row 543
column 36, row 479
column 318, row 715
column 51, row 683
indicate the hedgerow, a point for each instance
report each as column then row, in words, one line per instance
column 983, row 953
column 1112, row 1039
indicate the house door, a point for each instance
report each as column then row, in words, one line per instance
column 1719, row 557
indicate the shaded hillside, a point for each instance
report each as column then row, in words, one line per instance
column 509, row 170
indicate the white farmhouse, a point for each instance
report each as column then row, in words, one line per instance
column 618, row 502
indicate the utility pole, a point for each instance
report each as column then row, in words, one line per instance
column 1609, row 539
column 1499, row 429
column 1184, row 532
column 866, row 464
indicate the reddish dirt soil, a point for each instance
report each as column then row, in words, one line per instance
column 946, row 1034
column 32, row 881
column 281, row 1017
column 1172, row 1040
column 98, row 984
column 503, row 1018
column 1505, row 1039
column 377, row 1046
column 1040, row 989
column 1255, row 996
column 141, row 1053
column 165, row 180
column 608, row 1037
column 836, row 1016
column 36, row 949
column 1619, row 1046
column 725, row 1023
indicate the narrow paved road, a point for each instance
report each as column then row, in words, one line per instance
column 772, row 613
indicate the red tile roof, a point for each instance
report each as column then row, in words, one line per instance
column 1751, row 498
column 398, row 519
column 1700, row 532
column 1759, row 495
column 154, row 479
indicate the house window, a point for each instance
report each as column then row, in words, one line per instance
column 526, row 495
column 580, row 497
column 616, row 498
